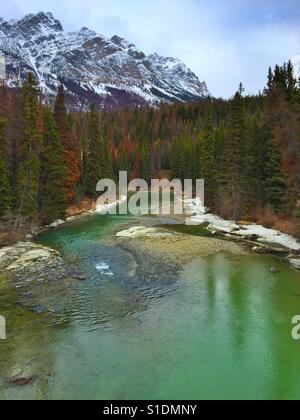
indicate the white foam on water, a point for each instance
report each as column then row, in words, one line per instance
column 104, row 269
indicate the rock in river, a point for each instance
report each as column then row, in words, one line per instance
column 78, row 276
column 29, row 261
column 143, row 232
column 20, row 381
column 295, row 262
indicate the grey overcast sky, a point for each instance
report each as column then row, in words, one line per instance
column 222, row 41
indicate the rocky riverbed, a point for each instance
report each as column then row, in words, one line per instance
column 178, row 247
column 183, row 248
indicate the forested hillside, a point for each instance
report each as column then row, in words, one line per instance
column 246, row 149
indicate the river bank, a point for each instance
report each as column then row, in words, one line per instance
column 260, row 239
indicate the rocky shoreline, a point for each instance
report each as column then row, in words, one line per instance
column 256, row 244
column 259, row 238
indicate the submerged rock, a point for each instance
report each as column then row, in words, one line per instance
column 78, row 276
column 274, row 270
column 181, row 248
column 38, row 309
column 143, row 232
column 22, row 381
column 28, row 295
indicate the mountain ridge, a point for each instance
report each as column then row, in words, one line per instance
column 111, row 72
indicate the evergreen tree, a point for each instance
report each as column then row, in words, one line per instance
column 291, row 82
column 270, row 83
column 95, row 168
column 72, row 155
column 137, row 166
column 145, row 164
column 254, row 162
column 5, row 190
column 60, row 112
column 233, row 182
column 123, row 163
column 53, row 193
column 187, row 170
column 252, row 142
column 29, row 164
column 108, row 170
column 71, row 147
column 196, row 158
column 208, row 162
column 177, row 159
column 275, row 180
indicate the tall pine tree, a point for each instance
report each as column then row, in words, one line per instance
column 71, row 146
column 5, row 190
column 95, row 167
column 208, row 162
column 29, row 163
column 60, row 112
column 233, row 181
column 275, row 181
column 53, row 193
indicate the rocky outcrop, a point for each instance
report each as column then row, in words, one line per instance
column 26, row 254
column 28, row 262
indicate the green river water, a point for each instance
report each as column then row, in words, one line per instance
column 219, row 328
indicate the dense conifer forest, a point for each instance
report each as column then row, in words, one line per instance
column 246, row 149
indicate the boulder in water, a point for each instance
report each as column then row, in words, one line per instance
column 78, row 276
column 143, row 232
column 57, row 223
column 22, row 381
column 38, row 309
column 295, row 262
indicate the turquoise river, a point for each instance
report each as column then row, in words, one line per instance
column 217, row 328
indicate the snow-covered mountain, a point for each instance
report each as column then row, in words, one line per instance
column 110, row 72
column 296, row 64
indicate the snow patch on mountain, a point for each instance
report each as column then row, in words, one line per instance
column 111, row 72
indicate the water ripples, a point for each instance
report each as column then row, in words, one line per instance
column 119, row 288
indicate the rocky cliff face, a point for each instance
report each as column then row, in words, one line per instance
column 110, row 72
